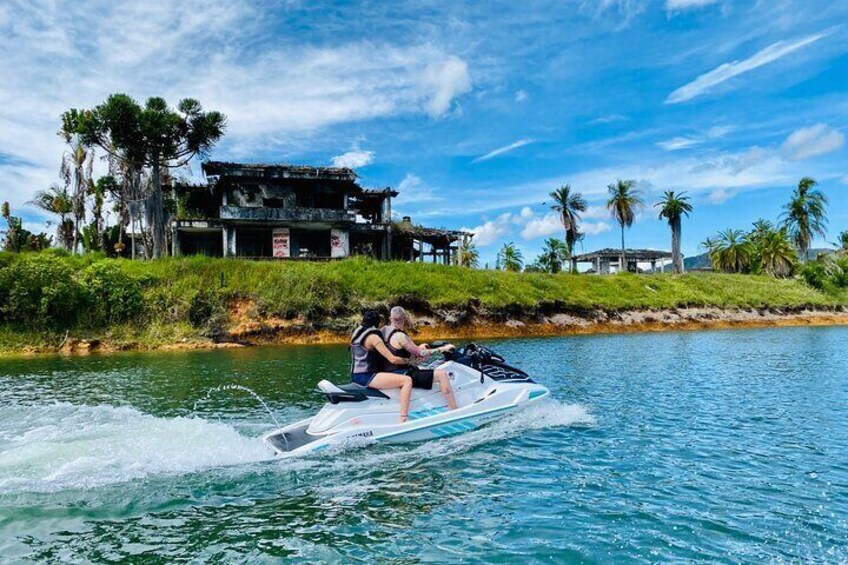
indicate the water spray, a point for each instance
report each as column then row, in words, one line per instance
column 242, row 388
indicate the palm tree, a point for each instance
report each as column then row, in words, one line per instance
column 732, row 252
column 56, row 200
column 624, row 200
column 468, row 256
column 775, row 253
column 554, row 255
column 569, row 206
column 804, row 216
column 843, row 242
column 510, row 258
column 673, row 207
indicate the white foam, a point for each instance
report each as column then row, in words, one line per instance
column 46, row 448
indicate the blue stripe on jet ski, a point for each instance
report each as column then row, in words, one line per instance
column 536, row 394
column 439, row 425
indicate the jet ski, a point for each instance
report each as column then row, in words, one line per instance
column 485, row 386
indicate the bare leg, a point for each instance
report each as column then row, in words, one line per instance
column 444, row 383
column 383, row 381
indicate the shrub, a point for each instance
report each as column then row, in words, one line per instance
column 114, row 296
column 40, row 291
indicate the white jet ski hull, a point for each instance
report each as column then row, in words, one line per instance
column 484, row 394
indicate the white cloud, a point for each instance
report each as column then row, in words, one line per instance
column 353, row 159
column 727, row 71
column 678, row 143
column 446, row 79
column 813, row 141
column 680, row 5
column 491, row 231
column 594, row 228
column 505, row 149
column 521, row 96
column 845, row 179
column 608, row 119
column 685, row 142
column 546, row 225
column 411, row 189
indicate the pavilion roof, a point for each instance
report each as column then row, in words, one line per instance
column 629, row 254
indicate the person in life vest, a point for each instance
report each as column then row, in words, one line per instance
column 369, row 354
column 401, row 345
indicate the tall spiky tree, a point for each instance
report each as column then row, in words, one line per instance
column 673, row 207
column 804, row 216
column 153, row 136
column 624, row 201
column 569, row 205
column 510, row 258
column 77, row 168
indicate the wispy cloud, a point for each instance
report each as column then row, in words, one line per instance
column 608, row 119
column 687, row 141
column 727, row 71
column 681, row 5
column 813, row 141
column 505, row 149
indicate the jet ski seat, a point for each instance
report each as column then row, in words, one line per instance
column 348, row 393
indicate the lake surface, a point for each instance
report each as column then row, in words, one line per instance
column 727, row 446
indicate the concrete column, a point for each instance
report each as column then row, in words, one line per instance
column 229, row 241
column 421, row 250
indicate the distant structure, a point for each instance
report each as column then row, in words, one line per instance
column 604, row 259
column 273, row 211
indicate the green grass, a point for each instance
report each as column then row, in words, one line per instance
column 327, row 291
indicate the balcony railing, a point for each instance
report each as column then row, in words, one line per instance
column 287, row 214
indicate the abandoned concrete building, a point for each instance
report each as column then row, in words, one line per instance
column 299, row 212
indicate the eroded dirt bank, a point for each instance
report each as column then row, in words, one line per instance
column 243, row 328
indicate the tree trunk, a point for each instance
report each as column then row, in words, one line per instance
column 157, row 212
column 676, row 259
column 622, row 267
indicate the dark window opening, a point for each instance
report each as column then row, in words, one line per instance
column 272, row 202
column 210, row 244
column 254, row 242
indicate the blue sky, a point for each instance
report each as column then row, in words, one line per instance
column 473, row 111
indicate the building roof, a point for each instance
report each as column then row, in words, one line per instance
column 629, row 254
column 280, row 170
column 428, row 235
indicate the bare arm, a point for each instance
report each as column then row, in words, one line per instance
column 378, row 344
column 406, row 343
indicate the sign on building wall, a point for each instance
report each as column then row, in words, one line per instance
column 339, row 244
column 282, row 243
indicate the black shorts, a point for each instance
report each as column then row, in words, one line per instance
column 421, row 378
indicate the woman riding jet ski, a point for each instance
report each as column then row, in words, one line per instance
column 377, row 363
column 483, row 385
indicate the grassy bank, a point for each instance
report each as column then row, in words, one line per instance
column 48, row 298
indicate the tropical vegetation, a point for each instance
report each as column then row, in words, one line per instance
column 673, row 206
column 804, row 215
column 569, row 205
column 624, row 201
column 510, row 258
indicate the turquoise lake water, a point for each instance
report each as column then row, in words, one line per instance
column 724, row 446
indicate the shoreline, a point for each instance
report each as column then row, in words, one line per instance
column 263, row 332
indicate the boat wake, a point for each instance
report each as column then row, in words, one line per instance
column 49, row 448
column 46, row 448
